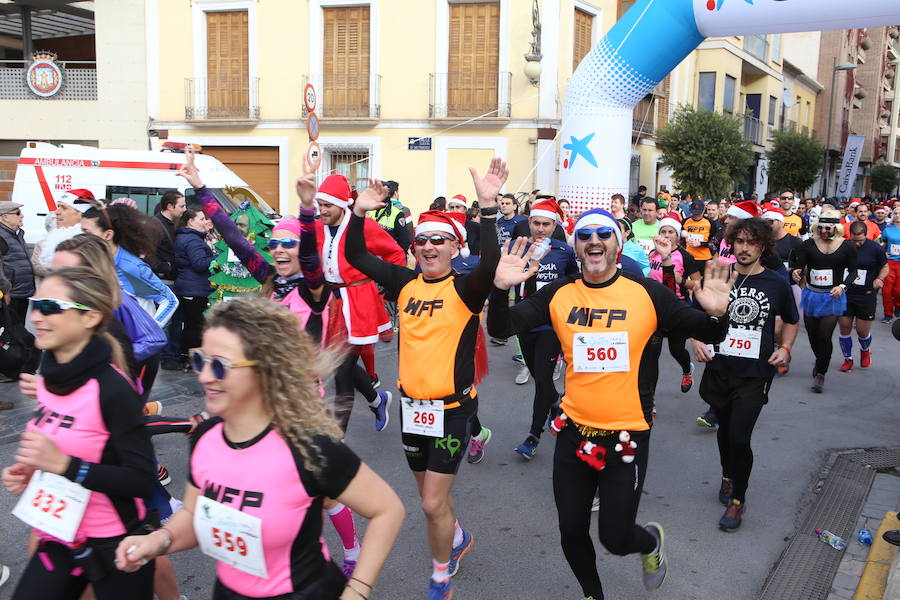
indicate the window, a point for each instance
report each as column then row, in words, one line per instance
column 728, row 104
column 346, row 61
column 776, row 48
column 352, row 165
column 583, row 36
column 773, row 108
column 146, row 198
column 706, row 95
column 227, row 64
column 474, row 59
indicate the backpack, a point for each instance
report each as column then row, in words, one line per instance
column 147, row 337
column 17, row 351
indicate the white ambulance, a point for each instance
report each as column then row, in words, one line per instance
column 45, row 171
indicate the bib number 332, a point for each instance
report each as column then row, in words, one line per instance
column 605, row 352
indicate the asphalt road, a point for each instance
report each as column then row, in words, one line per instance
column 507, row 503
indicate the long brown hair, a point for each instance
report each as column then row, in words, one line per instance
column 97, row 255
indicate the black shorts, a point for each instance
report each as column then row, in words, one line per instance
column 720, row 389
column 442, row 455
column 862, row 307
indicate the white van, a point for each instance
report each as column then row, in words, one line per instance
column 46, row 171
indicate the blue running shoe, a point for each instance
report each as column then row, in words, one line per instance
column 382, row 414
column 459, row 551
column 518, row 358
column 528, row 448
column 439, row 590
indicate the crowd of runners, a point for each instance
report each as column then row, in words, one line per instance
column 588, row 299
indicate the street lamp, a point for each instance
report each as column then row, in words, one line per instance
column 848, row 66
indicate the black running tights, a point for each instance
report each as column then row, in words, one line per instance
column 820, row 331
column 540, row 349
column 575, row 484
column 736, row 425
column 350, row 377
column 679, row 353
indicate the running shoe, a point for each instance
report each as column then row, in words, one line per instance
column 518, row 358
column 818, row 383
column 846, row 366
column 708, row 420
column 654, row 564
column 162, row 474
column 376, row 383
column 528, row 448
column 4, row 574
column 459, row 551
column 439, row 590
column 887, row 320
column 733, row 517
column 348, row 567
column 865, row 359
column 476, row 447
column 523, row 375
column 726, row 490
column 382, row 414
column 153, row 408
column 595, row 504
column 558, row 369
column 499, row 341
column 687, row 380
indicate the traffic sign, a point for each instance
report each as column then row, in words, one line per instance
column 312, row 126
column 309, row 97
column 314, row 155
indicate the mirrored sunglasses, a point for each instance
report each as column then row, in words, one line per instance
column 219, row 366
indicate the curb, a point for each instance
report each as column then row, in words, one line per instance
column 875, row 574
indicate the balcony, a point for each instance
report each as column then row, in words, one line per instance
column 753, row 129
column 757, row 46
column 352, row 97
column 465, row 95
column 221, row 100
column 79, row 81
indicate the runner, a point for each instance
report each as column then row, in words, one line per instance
column 793, row 223
column 827, row 262
column 862, row 297
column 603, row 320
column 86, row 443
column 786, row 245
column 738, row 376
column 673, row 267
column 260, row 470
column 699, row 234
column 631, row 252
column 647, row 227
column 882, row 217
column 438, row 325
column 540, row 348
column 891, row 291
column 873, row 231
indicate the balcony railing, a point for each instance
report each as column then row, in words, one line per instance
column 345, row 96
column 753, row 129
column 221, row 98
column 456, row 95
column 757, row 46
column 79, row 81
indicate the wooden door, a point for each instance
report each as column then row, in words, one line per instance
column 474, row 59
column 227, row 64
column 346, row 62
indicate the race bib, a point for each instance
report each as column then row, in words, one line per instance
column 423, row 417
column 231, row 536
column 742, row 343
column 646, row 245
column 821, row 277
column 695, row 237
column 600, row 352
column 895, row 250
column 53, row 504
column 860, row 276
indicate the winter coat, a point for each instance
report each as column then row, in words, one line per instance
column 17, row 263
column 192, row 259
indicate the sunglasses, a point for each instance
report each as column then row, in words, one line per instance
column 286, row 243
column 51, row 306
column 435, row 239
column 604, row 233
column 16, row 212
column 787, row 197
column 220, row 366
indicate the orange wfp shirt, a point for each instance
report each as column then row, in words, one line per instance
column 793, row 224
column 701, row 231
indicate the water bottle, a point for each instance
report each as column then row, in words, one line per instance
column 541, row 249
column 865, row 537
column 831, row 539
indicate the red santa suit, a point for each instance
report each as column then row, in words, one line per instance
column 358, row 300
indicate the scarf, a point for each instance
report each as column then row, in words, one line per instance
column 282, row 287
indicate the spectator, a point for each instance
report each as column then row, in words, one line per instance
column 67, row 221
column 568, row 220
column 440, row 203
column 16, row 263
column 171, row 207
column 192, row 259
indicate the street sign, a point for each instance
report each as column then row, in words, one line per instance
column 314, row 155
column 312, row 126
column 418, row 143
column 309, row 97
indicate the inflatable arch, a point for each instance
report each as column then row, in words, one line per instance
column 624, row 66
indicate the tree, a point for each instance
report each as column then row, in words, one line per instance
column 794, row 161
column 884, row 178
column 705, row 150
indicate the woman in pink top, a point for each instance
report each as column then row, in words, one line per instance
column 85, row 452
column 261, row 469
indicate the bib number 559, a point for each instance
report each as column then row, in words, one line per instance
column 228, row 541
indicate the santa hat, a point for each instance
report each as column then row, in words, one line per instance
column 435, row 220
column 671, row 220
column 744, row 210
column 773, row 213
column 459, row 199
column 597, row 217
column 548, row 209
column 461, row 219
column 335, row 190
column 881, row 209
column 80, row 200
column 854, row 202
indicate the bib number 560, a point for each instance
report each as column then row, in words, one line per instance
column 602, row 353
column 228, row 541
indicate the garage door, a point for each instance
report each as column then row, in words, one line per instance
column 257, row 165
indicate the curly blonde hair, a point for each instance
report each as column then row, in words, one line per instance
column 830, row 213
column 290, row 365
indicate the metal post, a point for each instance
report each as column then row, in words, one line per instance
column 27, row 45
column 828, row 136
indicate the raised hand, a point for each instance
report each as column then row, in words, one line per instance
column 306, row 184
column 713, row 295
column 663, row 246
column 487, row 187
column 516, row 264
column 189, row 171
column 372, row 198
